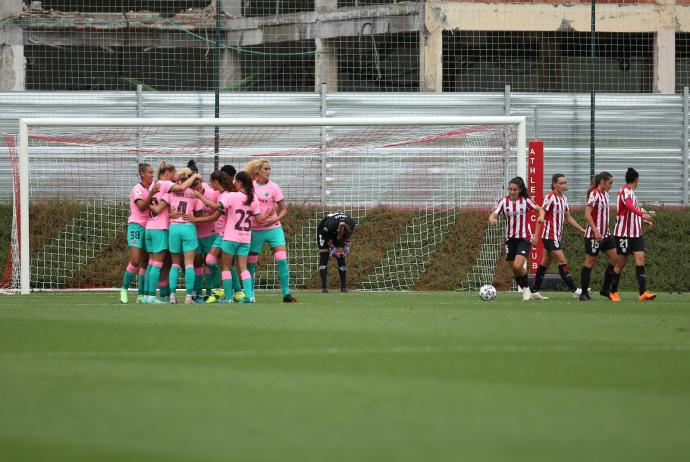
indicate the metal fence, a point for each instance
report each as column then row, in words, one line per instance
column 647, row 131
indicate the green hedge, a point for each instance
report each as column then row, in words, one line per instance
column 668, row 251
column 668, row 245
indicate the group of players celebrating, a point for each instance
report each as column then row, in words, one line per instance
column 627, row 236
column 216, row 230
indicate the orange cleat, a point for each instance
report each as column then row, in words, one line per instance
column 647, row 296
column 615, row 297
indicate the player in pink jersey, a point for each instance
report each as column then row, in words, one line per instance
column 238, row 208
column 157, row 232
column 206, row 235
column 183, row 241
column 597, row 235
column 628, row 236
column 222, row 183
column 139, row 201
column 273, row 207
column 515, row 207
column 555, row 211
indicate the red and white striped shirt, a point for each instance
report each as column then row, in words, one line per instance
column 599, row 201
column 555, row 207
column 628, row 220
column 516, row 214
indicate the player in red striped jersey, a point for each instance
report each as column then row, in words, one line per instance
column 515, row 207
column 555, row 211
column 628, row 236
column 597, row 235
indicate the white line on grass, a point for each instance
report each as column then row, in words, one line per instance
column 347, row 351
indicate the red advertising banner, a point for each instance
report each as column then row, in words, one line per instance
column 535, row 186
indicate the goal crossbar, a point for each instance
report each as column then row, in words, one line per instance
column 23, row 145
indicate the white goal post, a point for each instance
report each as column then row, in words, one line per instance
column 518, row 149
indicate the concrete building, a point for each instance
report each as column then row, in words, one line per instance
column 350, row 45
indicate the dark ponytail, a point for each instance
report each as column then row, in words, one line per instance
column 593, row 184
column 248, row 184
column 192, row 166
column 631, row 175
column 520, row 183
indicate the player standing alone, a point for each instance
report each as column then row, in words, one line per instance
column 516, row 207
column 555, row 211
column 333, row 238
column 628, row 235
column 597, row 235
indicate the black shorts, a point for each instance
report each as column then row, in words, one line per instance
column 593, row 247
column 515, row 247
column 551, row 244
column 627, row 245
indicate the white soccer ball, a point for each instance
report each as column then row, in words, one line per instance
column 487, row 292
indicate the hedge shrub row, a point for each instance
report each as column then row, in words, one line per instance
column 668, row 245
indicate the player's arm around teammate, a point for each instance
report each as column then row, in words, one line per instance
column 628, row 235
column 333, row 235
column 556, row 212
column 515, row 207
column 597, row 236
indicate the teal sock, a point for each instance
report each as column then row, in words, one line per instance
column 141, row 283
column 227, row 287
column 251, row 267
column 284, row 275
column 165, row 291
column 214, row 278
column 248, row 288
column 198, row 281
column 127, row 280
column 189, row 279
column 174, row 276
column 147, row 278
column 152, row 280
column 235, row 280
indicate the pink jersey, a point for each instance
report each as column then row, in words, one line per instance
column 208, row 228
column 184, row 202
column 628, row 223
column 160, row 220
column 517, row 214
column 139, row 192
column 220, row 222
column 599, row 201
column 238, row 222
column 555, row 207
column 268, row 195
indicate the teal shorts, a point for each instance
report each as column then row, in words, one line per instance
column 275, row 238
column 206, row 244
column 235, row 248
column 218, row 243
column 156, row 240
column 136, row 236
column 183, row 238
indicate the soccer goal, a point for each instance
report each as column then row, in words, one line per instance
column 419, row 189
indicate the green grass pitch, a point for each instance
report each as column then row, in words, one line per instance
column 358, row 376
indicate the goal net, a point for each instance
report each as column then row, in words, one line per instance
column 419, row 189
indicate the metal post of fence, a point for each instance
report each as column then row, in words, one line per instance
column 506, row 147
column 685, row 150
column 140, row 114
column 592, row 96
column 324, row 142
